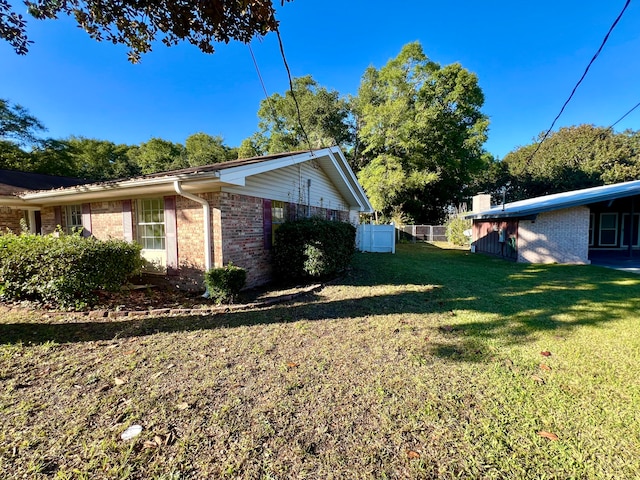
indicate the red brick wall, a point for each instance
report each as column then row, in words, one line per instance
column 48, row 217
column 106, row 220
column 243, row 238
column 10, row 219
column 237, row 233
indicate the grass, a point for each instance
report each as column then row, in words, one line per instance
column 423, row 364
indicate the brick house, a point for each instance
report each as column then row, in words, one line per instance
column 193, row 219
column 568, row 227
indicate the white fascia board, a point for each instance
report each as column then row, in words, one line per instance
column 350, row 180
column 137, row 186
column 16, row 203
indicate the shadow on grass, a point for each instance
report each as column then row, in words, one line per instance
column 468, row 298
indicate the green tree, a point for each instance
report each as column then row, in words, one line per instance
column 323, row 119
column 420, row 134
column 17, row 125
column 203, row 149
column 101, row 159
column 53, row 157
column 158, row 155
column 12, row 157
column 569, row 159
column 137, row 24
column 253, row 146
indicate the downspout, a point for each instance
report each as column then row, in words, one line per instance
column 206, row 213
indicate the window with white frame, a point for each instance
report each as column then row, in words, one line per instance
column 72, row 218
column 151, row 234
column 277, row 216
column 608, row 229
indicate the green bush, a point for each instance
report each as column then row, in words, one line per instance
column 312, row 248
column 455, row 230
column 224, row 284
column 64, row 270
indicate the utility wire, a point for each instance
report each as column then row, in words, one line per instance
column 255, row 63
column 293, row 95
column 622, row 117
column 604, row 41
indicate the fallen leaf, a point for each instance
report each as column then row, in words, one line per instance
column 549, row 435
column 413, row 454
column 537, row 379
column 426, row 339
column 158, row 440
column 182, row 406
column 129, row 352
column 292, row 364
column 119, row 381
column 156, row 375
column 545, row 367
column 171, row 365
column 150, row 444
column 545, row 354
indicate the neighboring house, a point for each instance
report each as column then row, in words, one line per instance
column 569, row 227
column 192, row 219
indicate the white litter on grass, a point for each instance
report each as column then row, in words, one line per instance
column 131, row 432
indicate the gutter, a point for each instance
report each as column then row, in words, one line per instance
column 206, row 212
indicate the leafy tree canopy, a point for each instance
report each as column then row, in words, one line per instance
column 158, row 155
column 569, row 159
column 100, row 159
column 137, row 24
column 420, row 134
column 203, row 149
column 17, row 125
column 323, row 114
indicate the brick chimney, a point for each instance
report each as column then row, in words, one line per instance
column 481, row 202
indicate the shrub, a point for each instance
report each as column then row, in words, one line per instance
column 64, row 270
column 312, row 248
column 224, row 284
column 455, row 230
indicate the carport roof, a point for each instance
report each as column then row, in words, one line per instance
column 559, row 201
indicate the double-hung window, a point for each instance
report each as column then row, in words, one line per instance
column 608, row 229
column 151, row 234
column 72, row 218
column 277, row 216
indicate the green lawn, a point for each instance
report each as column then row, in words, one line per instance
column 423, row 364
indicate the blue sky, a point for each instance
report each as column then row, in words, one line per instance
column 527, row 56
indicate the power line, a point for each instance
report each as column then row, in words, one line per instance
column 604, row 41
column 255, row 63
column 293, row 95
column 622, row 117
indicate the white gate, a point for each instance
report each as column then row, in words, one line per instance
column 376, row 238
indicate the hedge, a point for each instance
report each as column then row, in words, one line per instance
column 63, row 270
column 312, row 248
column 224, row 284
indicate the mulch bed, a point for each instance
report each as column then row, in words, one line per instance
column 148, row 299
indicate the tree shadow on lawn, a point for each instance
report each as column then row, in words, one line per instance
column 487, row 300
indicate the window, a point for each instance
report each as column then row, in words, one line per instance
column 628, row 228
column 151, row 233
column 592, row 219
column 608, row 229
column 277, row 216
column 72, row 218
